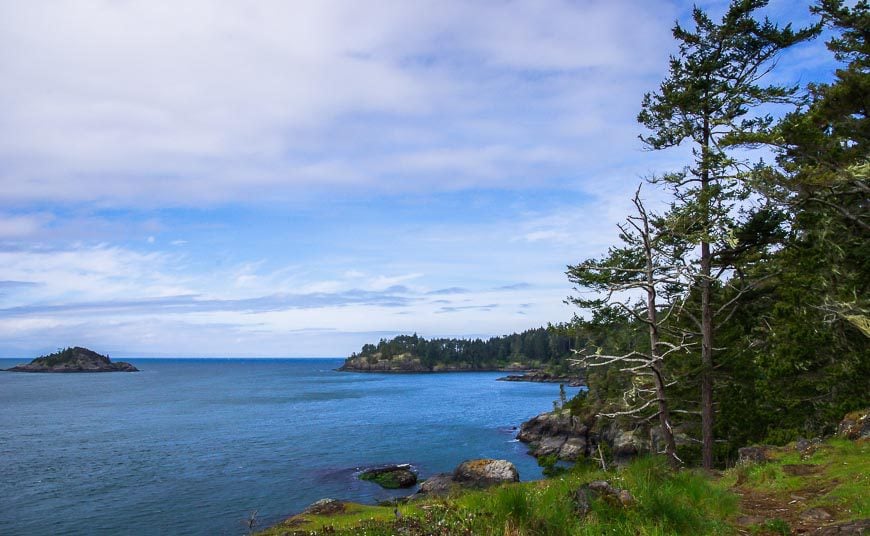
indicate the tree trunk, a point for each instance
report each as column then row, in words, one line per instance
column 706, row 309
column 706, row 361
column 652, row 318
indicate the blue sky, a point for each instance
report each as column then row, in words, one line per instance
column 298, row 178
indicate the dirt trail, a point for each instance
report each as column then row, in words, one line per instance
column 771, row 509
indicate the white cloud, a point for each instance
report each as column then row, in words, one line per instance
column 22, row 226
column 157, row 103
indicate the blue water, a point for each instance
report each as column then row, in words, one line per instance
column 193, row 446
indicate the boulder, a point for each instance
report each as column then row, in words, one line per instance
column 325, row 507
column 627, row 445
column 602, row 489
column 855, row 425
column 757, row 454
column 573, row 449
column 806, row 447
column 391, row 476
column 440, row 484
column 485, row 472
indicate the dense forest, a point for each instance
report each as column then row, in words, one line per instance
column 740, row 311
column 539, row 347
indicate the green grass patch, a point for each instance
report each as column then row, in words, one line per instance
column 845, row 471
column 353, row 516
column 665, row 502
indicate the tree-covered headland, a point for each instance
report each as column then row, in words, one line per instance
column 534, row 348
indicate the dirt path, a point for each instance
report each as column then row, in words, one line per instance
column 789, row 512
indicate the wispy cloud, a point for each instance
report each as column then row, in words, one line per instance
column 171, row 128
column 195, row 303
column 514, row 286
column 448, row 291
column 460, row 308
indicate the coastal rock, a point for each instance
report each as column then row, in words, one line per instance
column 855, row 425
column 626, row 440
column 485, row 472
column 571, row 438
column 325, row 507
column 557, row 433
column 544, row 377
column 391, row 476
column 469, row 474
column 74, row 359
column 627, row 445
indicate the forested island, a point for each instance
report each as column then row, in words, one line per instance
column 532, row 350
column 75, row 359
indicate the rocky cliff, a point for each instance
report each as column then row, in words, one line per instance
column 570, row 438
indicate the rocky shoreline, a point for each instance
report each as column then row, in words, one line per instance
column 544, row 377
column 409, row 364
column 570, row 438
column 565, row 435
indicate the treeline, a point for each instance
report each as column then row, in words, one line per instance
column 740, row 314
column 537, row 347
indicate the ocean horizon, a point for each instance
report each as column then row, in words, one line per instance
column 194, row 445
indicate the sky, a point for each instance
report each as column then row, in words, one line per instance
column 285, row 179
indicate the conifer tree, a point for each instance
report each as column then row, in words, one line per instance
column 714, row 83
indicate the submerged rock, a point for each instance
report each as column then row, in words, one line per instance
column 391, row 476
column 74, row 359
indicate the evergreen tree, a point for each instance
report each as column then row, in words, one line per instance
column 713, row 84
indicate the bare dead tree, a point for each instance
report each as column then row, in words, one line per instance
column 633, row 279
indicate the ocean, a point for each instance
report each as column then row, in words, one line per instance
column 193, row 446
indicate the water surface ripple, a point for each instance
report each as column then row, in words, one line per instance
column 192, row 446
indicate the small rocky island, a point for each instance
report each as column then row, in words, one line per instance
column 74, row 359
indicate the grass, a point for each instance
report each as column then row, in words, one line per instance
column 836, row 476
column 666, row 504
